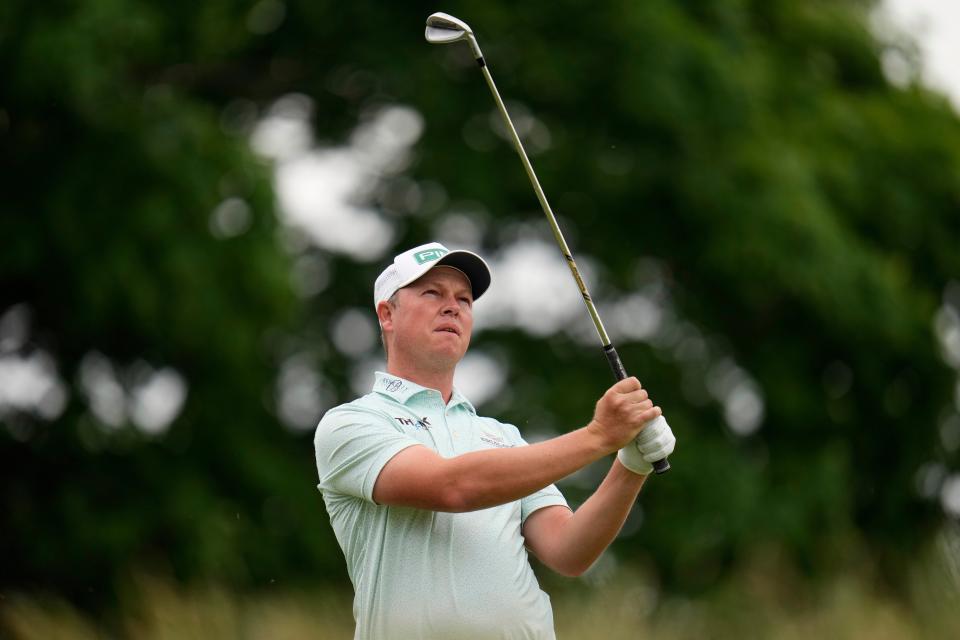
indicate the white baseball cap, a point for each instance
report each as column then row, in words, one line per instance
column 411, row 264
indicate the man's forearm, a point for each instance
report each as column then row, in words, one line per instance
column 570, row 543
column 497, row 476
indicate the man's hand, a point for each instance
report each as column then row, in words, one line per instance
column 621, row 413
column 655, row 442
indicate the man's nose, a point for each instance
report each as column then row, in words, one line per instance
column 450, row 307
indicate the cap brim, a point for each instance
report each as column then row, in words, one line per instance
column 473, row 266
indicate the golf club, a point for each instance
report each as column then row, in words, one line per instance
column 444, row 29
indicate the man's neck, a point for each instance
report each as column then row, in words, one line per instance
column 442, row 381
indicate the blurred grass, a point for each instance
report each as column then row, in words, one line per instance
column 156, row 609
column 764, row 599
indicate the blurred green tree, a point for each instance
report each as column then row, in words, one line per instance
column 114, row 165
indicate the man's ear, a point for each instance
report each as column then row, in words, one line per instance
column 385, row 315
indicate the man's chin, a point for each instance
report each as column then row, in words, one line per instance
column 451, row 354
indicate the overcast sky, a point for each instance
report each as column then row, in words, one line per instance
column 935, row 24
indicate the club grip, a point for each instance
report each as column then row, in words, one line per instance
column 660, row 466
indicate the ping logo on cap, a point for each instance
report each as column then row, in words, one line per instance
column 429, row 255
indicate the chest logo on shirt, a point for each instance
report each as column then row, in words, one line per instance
column 494, row 440
column 422, row 423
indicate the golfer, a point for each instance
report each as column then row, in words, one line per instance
column 436, row 508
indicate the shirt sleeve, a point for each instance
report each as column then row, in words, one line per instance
column 352, row 446
column 549, row 496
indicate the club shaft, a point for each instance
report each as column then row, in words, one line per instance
column 660, row 466
column 591, row 308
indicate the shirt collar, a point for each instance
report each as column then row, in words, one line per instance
column 458, row 398
column 402, row 390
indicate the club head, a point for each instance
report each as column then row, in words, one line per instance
column 442, row 28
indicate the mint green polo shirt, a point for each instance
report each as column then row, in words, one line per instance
column 419, row 573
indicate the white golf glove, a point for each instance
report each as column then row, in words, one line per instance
column 655, row 442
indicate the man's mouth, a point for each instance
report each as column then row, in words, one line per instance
column 452, row 330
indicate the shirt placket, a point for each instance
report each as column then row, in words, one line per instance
column 451, row 437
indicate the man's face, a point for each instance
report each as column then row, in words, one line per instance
column 432, row 320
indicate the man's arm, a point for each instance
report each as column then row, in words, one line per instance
column 418, row 477
column 570, row 542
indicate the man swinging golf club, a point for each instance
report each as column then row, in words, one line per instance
column 435, row 507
